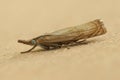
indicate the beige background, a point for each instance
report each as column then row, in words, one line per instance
column 25, row 19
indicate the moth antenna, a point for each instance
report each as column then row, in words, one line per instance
column 29, row 49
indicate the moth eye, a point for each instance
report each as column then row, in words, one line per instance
column 33, row 42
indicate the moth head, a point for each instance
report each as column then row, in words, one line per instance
column 28, row 42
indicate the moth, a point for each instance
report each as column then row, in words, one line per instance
column 67, row 36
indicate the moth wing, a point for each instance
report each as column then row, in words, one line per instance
column 62, row 38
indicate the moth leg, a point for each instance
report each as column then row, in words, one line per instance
column 45, row 47
column 29, row 49
column 56, row 45
column 67, row 46
column 53, row 46
column 81, row 41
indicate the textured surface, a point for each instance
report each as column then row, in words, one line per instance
column 25, row 19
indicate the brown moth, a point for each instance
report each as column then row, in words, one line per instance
column 67, row 36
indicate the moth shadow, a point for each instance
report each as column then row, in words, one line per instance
column 67, row 46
